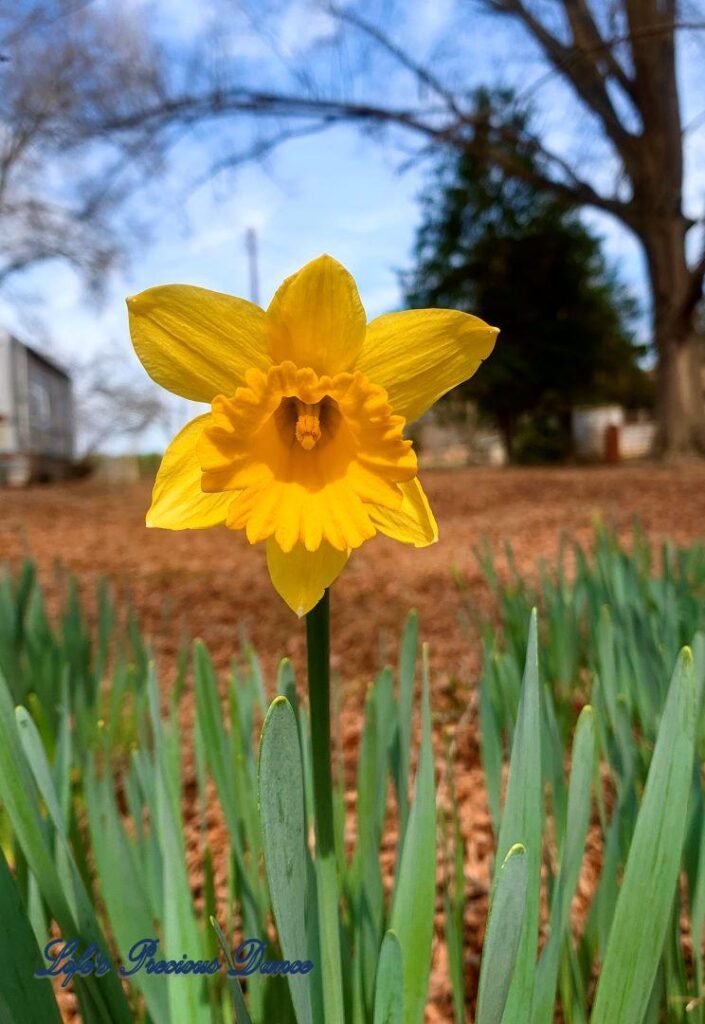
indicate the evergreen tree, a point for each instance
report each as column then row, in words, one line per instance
column 522, row 259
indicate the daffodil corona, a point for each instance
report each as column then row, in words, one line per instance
column 303, row 447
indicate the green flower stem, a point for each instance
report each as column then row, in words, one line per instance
column 318, row 648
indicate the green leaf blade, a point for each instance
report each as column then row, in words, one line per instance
column 281, row 795
column 645, row 901
column 389, row 988
column 504, row 931
column 522, row 820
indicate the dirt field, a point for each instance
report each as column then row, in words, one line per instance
column 212, row 584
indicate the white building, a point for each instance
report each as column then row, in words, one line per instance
column 634, row 440
column 36, row 415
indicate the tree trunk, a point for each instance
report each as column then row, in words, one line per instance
column 680, row 386
column 681, row 404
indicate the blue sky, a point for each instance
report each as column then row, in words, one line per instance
column 337, row 192
column 342, row 195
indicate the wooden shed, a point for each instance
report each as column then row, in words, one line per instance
column 36, row 415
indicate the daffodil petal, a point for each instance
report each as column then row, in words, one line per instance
column 301, row 576
column 195, row 342
column 413, row 523
column 178, row 503
column 316, row 318
column 419, row 354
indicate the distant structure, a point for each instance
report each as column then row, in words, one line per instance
column 605, row 433
column 36, row 415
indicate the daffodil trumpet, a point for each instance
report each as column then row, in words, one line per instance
column 303, row 447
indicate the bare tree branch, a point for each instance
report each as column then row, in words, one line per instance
column 422, row 73
column 577, row 63
column 261, row 149
column 590, row 43
column 556, row 174
column 58, row 189
column 113, row 402
column 604, row 47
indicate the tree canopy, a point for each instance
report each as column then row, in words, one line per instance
column 621, row 63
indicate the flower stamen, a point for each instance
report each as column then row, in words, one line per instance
column 308, row 424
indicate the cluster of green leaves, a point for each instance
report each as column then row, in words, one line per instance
column 93, row 816
column 614, row 621
column 95, row 799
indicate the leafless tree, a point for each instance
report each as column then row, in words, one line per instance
column 115, row 401
column 618, row 58
column 64, row 65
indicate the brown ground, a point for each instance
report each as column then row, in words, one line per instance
column 211, row 584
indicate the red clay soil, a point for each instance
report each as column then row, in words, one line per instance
column 212, row 584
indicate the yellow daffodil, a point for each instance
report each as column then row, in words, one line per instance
column 303, row 447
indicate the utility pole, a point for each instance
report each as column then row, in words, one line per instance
column 253, row 262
